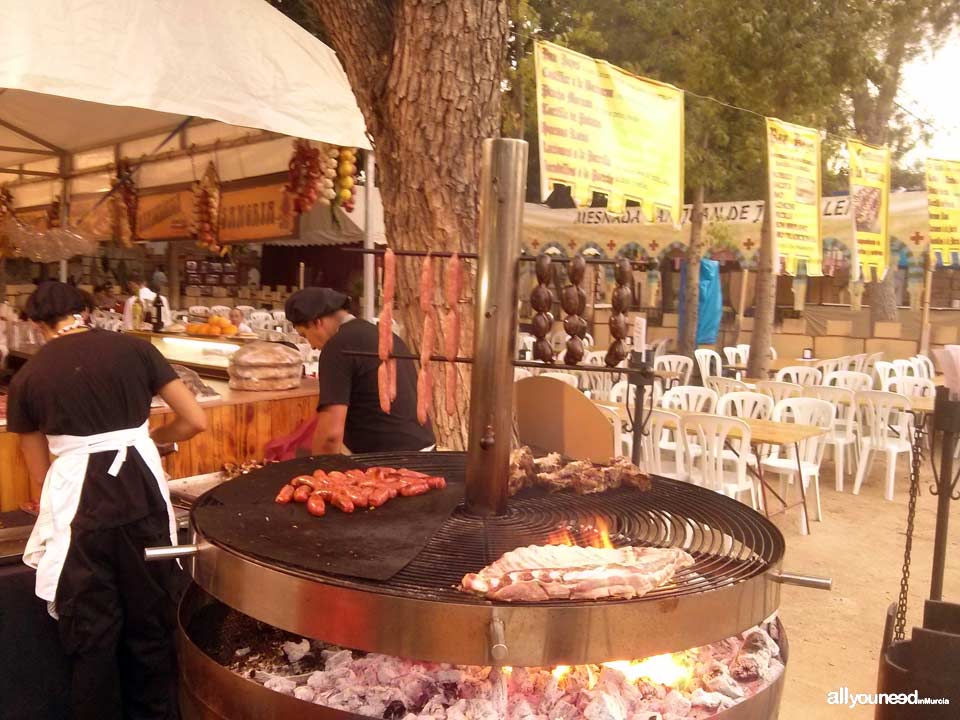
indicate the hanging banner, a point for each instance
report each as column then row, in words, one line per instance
column 943, row 203
column 256, row 214
column 793, row 164
column 870, row 194
column 165, row 215
column 604, row 130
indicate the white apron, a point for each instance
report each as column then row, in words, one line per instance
column 49, row 542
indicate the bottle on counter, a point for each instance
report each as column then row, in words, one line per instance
column 137, row 313
column 158, row 314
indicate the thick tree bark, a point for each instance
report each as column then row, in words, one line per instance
column 882, row 298
column 691, row 295
column 765, row 302
column 427, row 77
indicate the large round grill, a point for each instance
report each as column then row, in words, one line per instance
column 725, row 592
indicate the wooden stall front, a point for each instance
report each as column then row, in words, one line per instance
column 239, row 424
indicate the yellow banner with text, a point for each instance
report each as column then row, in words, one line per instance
column 943, row 203
column 870, row 196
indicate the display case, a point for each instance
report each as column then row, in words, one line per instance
column 208, row 356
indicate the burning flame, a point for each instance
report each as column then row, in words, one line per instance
column 595, row 536
column 669, row 670
column 560, row 672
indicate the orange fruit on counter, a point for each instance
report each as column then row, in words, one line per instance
column 214, row 330
column 229, row 329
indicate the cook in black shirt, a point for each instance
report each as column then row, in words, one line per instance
column 348, row 410
column 85, row 398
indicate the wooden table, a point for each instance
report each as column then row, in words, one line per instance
column 762, row 432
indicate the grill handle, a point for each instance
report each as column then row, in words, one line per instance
column 498, row 645
column 169, row 552
column 806, row 581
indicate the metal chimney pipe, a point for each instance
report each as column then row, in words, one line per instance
column 502, row 188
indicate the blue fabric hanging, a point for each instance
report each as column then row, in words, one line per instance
column 710, row 305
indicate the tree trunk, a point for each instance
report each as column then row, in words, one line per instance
column 882, row 297
column 427, row 77
column 691, row 294
column 765, row 300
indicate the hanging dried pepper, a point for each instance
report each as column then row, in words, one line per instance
column 125, row 198
column 205, row 222
column 309, row 177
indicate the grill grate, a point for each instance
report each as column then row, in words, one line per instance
column 729, row 541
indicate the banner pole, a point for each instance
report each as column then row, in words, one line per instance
column 741, row 310
column 927, row 290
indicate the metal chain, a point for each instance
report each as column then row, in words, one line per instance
column 918, row 436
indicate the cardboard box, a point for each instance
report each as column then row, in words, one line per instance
column 944, row 334
column 671, row 320
column 791, row 346
column 839, row 328
column 827, row 346
column 892, row 349
column 747, row 324
column 794, row 326
column 888, row 330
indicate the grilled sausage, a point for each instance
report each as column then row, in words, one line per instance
column 383, row 385
column 316, row 506
column 428, row 339
column 408, row 473
column 309, row 480
column 286, row 494
column 392, row 374
column 415, row 489
column 436, row 483
column 379, row 496
column 355, row 474
column 385, row 332
column 359, row 496
column 342, row 502
column 320, row 475
column 424, row 395
column 451, row 345
column 426, row 285
column 389, row 275
column 302, row 493
column 453, row 282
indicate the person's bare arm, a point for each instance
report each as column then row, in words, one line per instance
column 190, row 418
column 36, row 455
column 328, row 437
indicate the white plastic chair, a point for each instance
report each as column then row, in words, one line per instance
column 622, row 442
column 733, row 355
column 923, row 367
column 784, row 460
column 675, row 363
column 871, row 361
column 878, row 411
column 259, row 316
column 709, row 362
column 800, row 375
column 745, row 405
column 247, row 310
column 662, row 423
column 588, row 341
column 618, row 393
column 773, row 353
column 658, row 348
column 721, row 385
column 828, row 366
column 279, row 316
column 221, row 310
column 904, row 368
column 849, row 379
column 521, row 373
column 568, row 378
column 779, row 390
column 843, row 438
column 911, row 386
column 884, row 371
column 690, row 398
column 858, row 363
column 705, row 439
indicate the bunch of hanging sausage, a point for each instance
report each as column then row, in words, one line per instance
column 356, row 489
column 387, row 374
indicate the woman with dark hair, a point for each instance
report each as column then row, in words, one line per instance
column 84, row 398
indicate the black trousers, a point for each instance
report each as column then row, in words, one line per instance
column 117, row 623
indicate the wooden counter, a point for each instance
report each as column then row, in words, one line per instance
column 239, row 425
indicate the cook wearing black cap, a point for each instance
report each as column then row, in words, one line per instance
column 348, row 411
column 84, row 398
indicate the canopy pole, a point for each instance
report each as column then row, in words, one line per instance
column 66, row 165
column 927, row 290
column 742, row 308
column 369, row 260
column 173, row 275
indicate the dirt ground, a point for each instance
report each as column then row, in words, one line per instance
column 835, row 636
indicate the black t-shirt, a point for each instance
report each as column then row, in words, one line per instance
column 86, row 384
column 352, row 381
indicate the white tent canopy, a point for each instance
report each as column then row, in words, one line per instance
column 77, row 74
